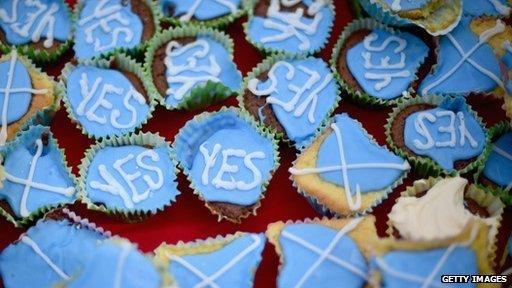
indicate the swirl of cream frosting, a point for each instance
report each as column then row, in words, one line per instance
column 439, row 214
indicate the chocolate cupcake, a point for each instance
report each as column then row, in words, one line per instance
column 375, row 64
column 41, row 29
column 192, row 67
column 210, row 13
column 229, row 161
column 104, row 27
column 293, row 95
column 439, row 135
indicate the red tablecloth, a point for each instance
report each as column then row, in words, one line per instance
column 188, row 219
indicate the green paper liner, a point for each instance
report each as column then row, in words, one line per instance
column 138, row 139
column 217, row 22
column 125, row 63
column 424, row 166
column 249, row 6
column 138, row 50
column 495, row 132
column 45, row 115
column 491, row 203
column 198, row 246
column 323, row 208
column 200, row 96
column 386, row 16
column 357, row 96
column 20, row 222
column 245, row 117
column 43, row 56
column 265, row 65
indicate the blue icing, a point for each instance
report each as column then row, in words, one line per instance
column 402, row 50
column 311, row 38
column 126, row 107
column 358, row 149
column 299, row 259
column 299, row 128
column 19, row 102
column 241, row 274
column 29, row 21
column 66, row 245
column 507, row 59
column 461, row 261
column 111, row 260
column 484, row 7
column 509, row 246
column 406, row 5
column 150, row 172
column 198, row 62
column 498, row 167
column 49, row 169
column 445, row 137
column 509, row 87
column 466, row 78
column 124, row 28
column 207, row 9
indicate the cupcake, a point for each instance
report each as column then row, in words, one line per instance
column 130, row 177
column 496, row 174
column 436, row 209
column 292, row 95
column 229, row 261
column 376, row 64
column 50, row 252
column 323, row 253
column 399, row 263
column 497, row 8
column 344, row 171
column 211, row 13
column 466, row 63
column 295, row 27
column 106, row 98
column 437, row 17
column 117, row 263
column 28, row 94
column 228, row 160
column 192, row 67
column 508, row 252
column 106, row 26
column 37, row 177
column 438, row 135
column 40, row 29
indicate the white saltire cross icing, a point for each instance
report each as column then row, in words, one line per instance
column 33, row 245
column 190, row 13
column 29, row 183
column 326, row 253
column 8, row 90
column 209, row 281
column 344, row 167
column 121, row 260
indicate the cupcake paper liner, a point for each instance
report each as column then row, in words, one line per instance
column 249, row 6
column 491, row 203
column 198, row 246
column 507, row 106
column 384, row 15
column 424, row 166
column 494, row 133
column 43, row 56
column 138, row 50
column 322, row 208
column 42, row 210
column 78, row 220
column 265, row 65
column 201, row 120
column 126, row 63
column 139, row 139
column 217, row 22
column 362, row 97
column 202, row 95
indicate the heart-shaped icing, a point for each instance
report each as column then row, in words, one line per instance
column 104, row 101
column 446, row 133
column 301, row 92
column 385, row 63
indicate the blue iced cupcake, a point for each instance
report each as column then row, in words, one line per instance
column 210, row 13
column 496, row 8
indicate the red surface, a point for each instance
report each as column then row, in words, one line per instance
column 188, row 219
